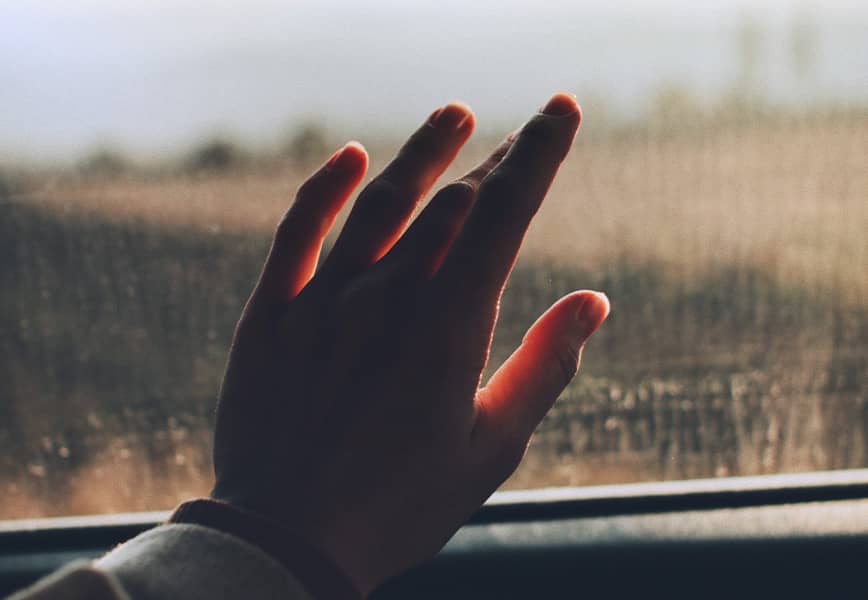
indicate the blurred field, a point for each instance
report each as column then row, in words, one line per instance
column 735, row 259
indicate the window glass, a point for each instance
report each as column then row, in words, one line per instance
column 717, row 193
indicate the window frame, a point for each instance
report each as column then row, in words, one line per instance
column 31, row 548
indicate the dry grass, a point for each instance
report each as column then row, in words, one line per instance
column 735, row 259
column 787, row 197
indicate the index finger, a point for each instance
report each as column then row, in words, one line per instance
column 478, row 264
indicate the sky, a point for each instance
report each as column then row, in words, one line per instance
column 152, row 78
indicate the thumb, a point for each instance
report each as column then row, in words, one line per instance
column 526, row 386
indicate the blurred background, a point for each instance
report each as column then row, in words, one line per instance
column 718, row 192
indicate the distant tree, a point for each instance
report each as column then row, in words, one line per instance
column 215, row 155
column 804, row 41
column 104, row 162
column 673, row 107
column 307, row 145
column 750, row 41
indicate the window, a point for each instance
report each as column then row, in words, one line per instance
column 716, row 193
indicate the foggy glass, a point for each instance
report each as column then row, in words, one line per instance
column 717, row 194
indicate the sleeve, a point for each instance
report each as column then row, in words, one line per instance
column 207, row 550
column 173, row 561
column 76, row 581
column 197, row 563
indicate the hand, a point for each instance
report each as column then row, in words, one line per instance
column 351, row 410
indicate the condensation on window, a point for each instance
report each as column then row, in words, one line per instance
column 724, row 216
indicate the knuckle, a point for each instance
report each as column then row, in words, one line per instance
column 307, row 188
column 423, row 146
column 385, row 191
column 353, row 300
column 283, row 225
column 319, row 184
column 566, row 360
column 304, row 212
column 460, row 187
column 545, row 135
column 498, row 184
column 503, row 198
column 382, row 197
column 538, row 130
column 456, row 195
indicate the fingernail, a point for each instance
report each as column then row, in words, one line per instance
column 432, row 118
column 454, row 116
column 590, row 315
column 341, row 160
column 560, row 105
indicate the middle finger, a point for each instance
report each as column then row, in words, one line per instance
column 385, row 205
